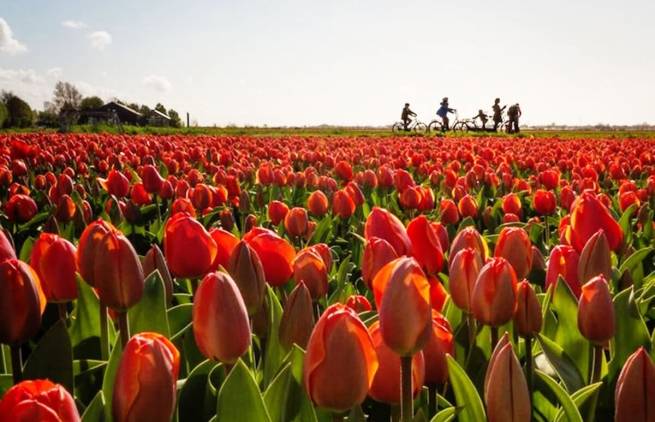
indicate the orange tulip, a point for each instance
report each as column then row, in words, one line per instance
column 386, row 383
column 506, row 390
column 21, row 302
column 463, row 272
column 588, row 215
column 275, row 253
column 297, row 318
column 189, row 249
column 220, row 319
column 309, row 268
column 383, row 224
column 145, row 384
column 225, row 244
column 635, row 389
column 511, row 204
column 449, row 212
column 358, row 303
column 402, row 296
column 493, row 300
column 317, row 203
column 467, row 206
column 343, row 205
column 87, row 246
column 544, row 202
column 53, row 260
column 295, row 222
column 441, row 342
column 469, row 237
column 514, row 245
column 595, row 258
column 377, row 253
column 323, row 250
column 277, row 211
column 426, row 247
column 596, row 311
column 38, row 400
column 340, row 362
column 527, row 317
column 246, row 269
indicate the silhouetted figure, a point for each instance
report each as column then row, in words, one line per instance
column 406, row 116
column 483, row 118
column 498, row 113
column 513, row 113
column 443, row 113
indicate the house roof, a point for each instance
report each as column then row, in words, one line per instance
column 123, row 106
column 160, row 114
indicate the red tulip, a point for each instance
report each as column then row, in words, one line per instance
column 438, row 294
column 152, row 180
column 20, row 208
column 246, row 269
column 359, row 304
column 563, row 262
column 38, row 400
column 384, row 225
column 154, row 260
column 220, row 319
column 295, row 222
column 308, row 267
column 190, row 250
column 343, row 205
column 493, row 300
column 340, row 362
column 469, row 238
column 426, row 247
column 463, row 273
column 514, row 245
column 86, row 248
column 635, row 389
column 323, row 250
column 53, row 259
column 145, row 384
column 377, row 253
column 467, row 206
column 589, row 215
column 596, row 311
column 595, row 258
column 506, row 390
column 276, row 254
column 21, row 302
column 527, row 317
column 449, row 213
column 511, row 204
column 277, row 211
column 115, row 184
column 441, row 342
column 297, row 318
column 225, row 244
column 317, row 203
column 544, row 202
column 6, row 248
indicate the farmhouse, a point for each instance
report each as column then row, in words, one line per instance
column 157, row 118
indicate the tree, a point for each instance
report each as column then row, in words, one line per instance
column 66, row 93
column 160, row 108
column 91, row 103
column 175, row 118
column 20, row 113
column 4, row 114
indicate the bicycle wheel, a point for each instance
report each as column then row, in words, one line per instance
column 434, row 126
column 504, row 127
column 420, row 128
column 398, row 128
column 460, row 127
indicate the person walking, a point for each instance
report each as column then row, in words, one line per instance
column 406, row 116
column 514, row 112
column 498, row 113
column 443, row 113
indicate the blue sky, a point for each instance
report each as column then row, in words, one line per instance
column 338, row 61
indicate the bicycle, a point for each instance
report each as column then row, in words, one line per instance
column 436, row 125
column 414, row 125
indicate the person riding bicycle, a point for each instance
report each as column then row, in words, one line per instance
column 514, row 112
column 406, row 115
column 498, row 113
column 443, row 112
column 483, row 118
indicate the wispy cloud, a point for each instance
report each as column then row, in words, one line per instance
column 55, row 72
column 72, row 24
column 9, row 44
column 158, row 83
column 100, row 39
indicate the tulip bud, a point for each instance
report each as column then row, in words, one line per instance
column 469, row 237
column 538, row 262
column 563, row 261
column 146, row 378
column 463, row 272
column 359, row 304
column 308, row 267
column 317, row 203
column 295, row 222
column 190, row 250
column 596, row 311
column 152, row 180
column 449, row 213
column 493, row 300
column 220, row 319
column 588, row 215
column 323, row 250
column 275, row 253
column 386, row 383
column 506, row 390
column 6, row 247
column 426, row 247
column 154, row 260
column 635, row 389
column 383, row 224
column 343, row 205
column 53, row 260
column 250, row 223
column 227, row 219
column 87, row 246
column 467, row 206
column 118, row 274
column 595, row 258
column 527, row 317
column 277, row 211
column 514, row 245
column 340, row 362
column 402, row 296
column 38, row 400
column 297, row 318
column 377, row 253
column 115, row 184
column 441, row 343
column 248, row 273
column 20, row 208
column 544, row 202
column 21, row 302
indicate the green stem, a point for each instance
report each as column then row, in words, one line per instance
column 598, row 363
column 16, row 363
column 433, row 401
column 394, row 412
column 63, row 312
column 104, row 333
column 494, row 337
column 123, row 326
column 406, row 401
column 471, row 326
column 529, row 364
column 337, row 417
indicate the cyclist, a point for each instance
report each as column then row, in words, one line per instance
column 498, row 113
column 483, row 118
column 514, row 112
column 406, row 115
column 443, row 112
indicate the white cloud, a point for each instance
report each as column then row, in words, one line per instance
column 88, row 90
column 73, row 24
column 100, row 39
column 158, row 83
column 9, row 44
column 27, row 84
column 24, row 76
column 55, row 72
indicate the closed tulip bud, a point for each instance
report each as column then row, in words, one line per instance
column 220, row 319
column 295, row 222
column 358, row 303
column 467, row 206
column 53, row 260
column 469, row 237
column 538, row 261
column 154, row 260
column 152, row 180
column 249, row 223
column 118, row 274
column 146, row 378
column 6, row 247
column 595, row 258
column 21, row 302
column 38, row 400
column 514, row 245
column 383, row 224
column 277, row 211
column 227, row 219
column 297, row 318
column 426, row 247
column 323, row 250
column 340, row 362
column 564, row 261
column 596, row 311
column 441, row 343
column 86, row 249
column 115, row 184
column 527, row 317
column 386, row 383
column 20, row 208
column 377, row 253
column 402, row 296
column 506, row 390
column 588, row 215
column 511, row 204
column 308, row 267
column 544, row 202
column 493, row 300
column 449, row 213
column 635, row 389
column 343, row 205
column 317, row 203
column 247, row 272
column 275, row 253
column 189, row 249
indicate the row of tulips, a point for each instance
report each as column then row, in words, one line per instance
column 308, row 279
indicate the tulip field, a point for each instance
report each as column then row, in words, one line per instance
column 315, row 278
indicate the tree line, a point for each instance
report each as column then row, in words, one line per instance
column 67, row 106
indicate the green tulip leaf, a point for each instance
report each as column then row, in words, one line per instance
column 6, row 382
column 85, row 323
column 109, row 378
column 568, row 406
column 580, row 398
column 562, row 363
column 445, row 415
column 466, row 396
column 195, row 385
column 274, row 351
column 150, row 313
column 624, row 222
column 26, row 250
column 179, row 319
column 239, row 398
column 52, row 358
column 94, row 412
column 632, row 262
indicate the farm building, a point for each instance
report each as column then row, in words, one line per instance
column 157, row 118
column 123, row 113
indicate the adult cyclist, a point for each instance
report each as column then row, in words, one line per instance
column 443, row 113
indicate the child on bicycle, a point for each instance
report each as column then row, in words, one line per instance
column 483, row 118
column 443, row 112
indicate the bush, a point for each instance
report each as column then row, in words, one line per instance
column 4, row 114
column 20, row 113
